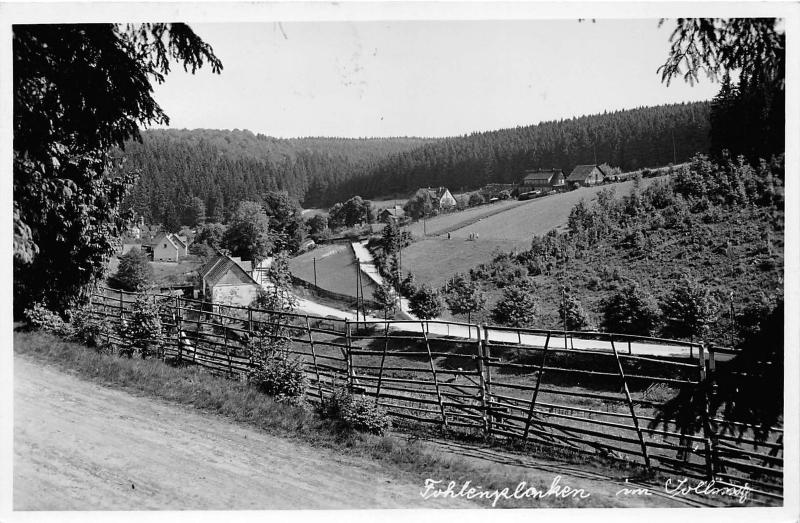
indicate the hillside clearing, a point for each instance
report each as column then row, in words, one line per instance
column 336, row 269
column 434, row 260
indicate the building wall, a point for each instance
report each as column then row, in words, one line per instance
column 242, row 294
column 165, row 251
column 447, row 200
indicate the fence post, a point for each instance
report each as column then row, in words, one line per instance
column 314, row 357
column 536, row 390
column 482, row 371
column 630, row 405
column 433, row 372
column 178, row 324
column 707, row 432
column 487, row 355
column 349, row 355
column 383, row 360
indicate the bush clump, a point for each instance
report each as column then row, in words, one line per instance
column 141, row 332
column 632, row 310
column 87, row 329
column 276, row 372
column 41, row 318
column 355, row 413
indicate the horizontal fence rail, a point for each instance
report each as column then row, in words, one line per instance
column 579, row 391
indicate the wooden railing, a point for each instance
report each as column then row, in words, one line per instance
column 581, row 391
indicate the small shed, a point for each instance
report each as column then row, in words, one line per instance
column 224, row 280
column 584, row 175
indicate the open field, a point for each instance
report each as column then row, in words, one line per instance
column 434, row 260
column 445, row 222
column 336, row 269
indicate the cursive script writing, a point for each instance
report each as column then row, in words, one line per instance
column 522, row 491
column 706, row 488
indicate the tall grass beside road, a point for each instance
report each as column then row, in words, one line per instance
column 408, row 459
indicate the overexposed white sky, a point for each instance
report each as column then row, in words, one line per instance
column 421, row 78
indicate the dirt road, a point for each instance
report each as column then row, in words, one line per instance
column 81, row 446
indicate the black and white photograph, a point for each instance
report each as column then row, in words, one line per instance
column 385, row 255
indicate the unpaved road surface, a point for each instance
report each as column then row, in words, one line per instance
column 81, row 446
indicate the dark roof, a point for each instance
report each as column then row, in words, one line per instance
column 606, row 169
column 179, row 239
column 581, row 172
column 219, row 265
column 541, row 174
column 157, row 239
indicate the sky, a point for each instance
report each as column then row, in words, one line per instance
column 421, row 78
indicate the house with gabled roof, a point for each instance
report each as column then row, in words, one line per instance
column 169, row 247
column 391, row 214
column 585, row 175
column 228, row 280
column 441, row 198
column 542, row 179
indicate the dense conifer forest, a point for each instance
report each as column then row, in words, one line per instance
column 223, row 167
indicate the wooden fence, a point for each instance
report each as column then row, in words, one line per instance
column 587, row 392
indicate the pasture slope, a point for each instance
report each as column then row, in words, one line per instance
column 435, row 259
column 81, row 446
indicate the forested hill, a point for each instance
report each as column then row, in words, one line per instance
column 224, row 167
column 628, row 139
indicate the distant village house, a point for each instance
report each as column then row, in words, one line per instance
column 392, row 215
column 586, row 175
column 442, row 199
column 542, row 179
column 169, row 247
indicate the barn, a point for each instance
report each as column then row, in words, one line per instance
column 584, row 175
column 227, row 281
column 542, row 179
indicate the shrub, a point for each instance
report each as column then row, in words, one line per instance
column 281, row 376
column 355, row 413
column 572, row 313
column 141, row 331
column 41, row 318
column 426, row 303
column 630, row 311
column 87, row 329
column 689, row 310
column 464, row 296
column 135, row 272
column 476, row 198
column 517, row 307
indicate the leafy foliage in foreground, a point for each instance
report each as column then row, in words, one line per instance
column 80, row 90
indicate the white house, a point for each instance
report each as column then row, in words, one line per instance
column 225, row 281
column 169, row 247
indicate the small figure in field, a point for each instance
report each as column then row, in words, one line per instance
column 448, row 235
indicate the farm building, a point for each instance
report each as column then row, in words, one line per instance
column 169, row 247
column 228, row 281
column 584, row 175
column 542, row 179
column 442, row 199
column 395, row 214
